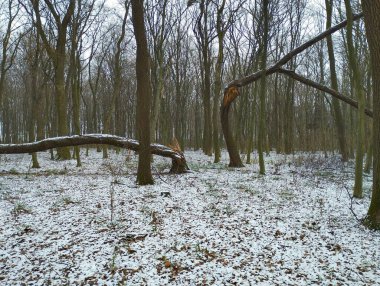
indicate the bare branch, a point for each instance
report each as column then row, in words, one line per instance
column 274, row 68
column 324, row 88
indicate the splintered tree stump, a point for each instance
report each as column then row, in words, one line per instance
column 179, row 164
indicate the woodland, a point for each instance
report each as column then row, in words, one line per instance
column 189, row 142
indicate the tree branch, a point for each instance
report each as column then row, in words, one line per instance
column 324, row 88
column 38, row 23
column 53, row 12
column 274, row 68
column 69, row 14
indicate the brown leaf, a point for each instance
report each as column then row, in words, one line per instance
column 167, row 264
column 278, row 233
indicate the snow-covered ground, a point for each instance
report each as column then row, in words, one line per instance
column 62, row 225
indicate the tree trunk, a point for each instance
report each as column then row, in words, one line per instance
column 263, row 64
column 34, row 107
column 61, row 103
column 229, row 95
column 207, row 129
column 144, row 92
column 75, row 85
column 289, row 117
column 359, row 94
column 218, row 81
column 117, row 78
column 371, row 10
column 339, row 123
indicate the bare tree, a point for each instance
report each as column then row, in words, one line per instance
column 204, row 31
column 117, row 78
column 371, row 10
column 334, row 84
column 57, row 54
column 144, row 92
column 9, row 44
column 359, row 94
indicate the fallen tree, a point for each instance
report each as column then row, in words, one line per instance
column 231, row 91
column 179, row 164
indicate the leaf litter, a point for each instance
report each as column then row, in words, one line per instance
column 63, row 225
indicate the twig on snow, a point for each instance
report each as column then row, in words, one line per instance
column 351, row 205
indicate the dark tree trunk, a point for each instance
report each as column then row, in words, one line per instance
column 144, row 92
column 371, row 10
column 339, row 123
column 229, row 95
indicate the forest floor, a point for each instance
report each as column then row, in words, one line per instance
column 63, row 225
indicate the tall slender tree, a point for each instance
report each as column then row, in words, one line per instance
column 8, row 48
column 371, row 9
column 359, row 94
column 204, row 38
column 117, row 79
column 144, row 93
column 339, row 123
column 221, row 31
column 57, row 54
column 263, row 86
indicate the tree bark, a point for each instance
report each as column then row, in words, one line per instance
column 57, row 55
column 117, row 80
column 35, row 96
column 371, row 10
column 218, row 81
column 229, row 96
column 75, row 66
column 144, row 92
column 339, row 123
column 263, row 88
column 359, row 94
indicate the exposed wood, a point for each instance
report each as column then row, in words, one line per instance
column 179, row 164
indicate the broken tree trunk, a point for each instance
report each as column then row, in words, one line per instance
column 231, row 91
column 179, row 164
